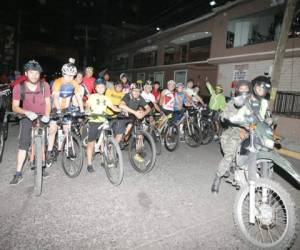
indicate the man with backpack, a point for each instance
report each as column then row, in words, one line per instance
column 30, row 98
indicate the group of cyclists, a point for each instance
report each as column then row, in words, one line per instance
column 123, row 102
column 96, row 98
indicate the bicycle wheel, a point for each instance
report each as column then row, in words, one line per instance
column 207, row 131
column 192, row 135
column 171, row 137
column 38, row 172
column 72, row 155
column 2, row 142
column 142, row 152
column 113, row 162
column 157, row 139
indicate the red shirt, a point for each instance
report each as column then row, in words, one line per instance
column 89, row 83
column 156, row 94
column 34, row 100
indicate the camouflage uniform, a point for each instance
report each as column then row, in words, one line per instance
column 230, row 139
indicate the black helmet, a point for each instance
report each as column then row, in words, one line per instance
column 33, row 65
column 242, row 83
column 262, row 81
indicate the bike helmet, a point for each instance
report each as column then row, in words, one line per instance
column 89, row 69
column 33, row 65
column 69, row 68
column 100, row 80
column 172, row 82
column 122, row 75
column 66, row 90
column 180, row 84
column 136, row 86
column 263, row 82
column 148, row 83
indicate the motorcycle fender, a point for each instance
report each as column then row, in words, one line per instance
column 280, row 162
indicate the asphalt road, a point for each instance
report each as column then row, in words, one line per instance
column 168, row 208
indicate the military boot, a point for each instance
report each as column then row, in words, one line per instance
column 216, row 185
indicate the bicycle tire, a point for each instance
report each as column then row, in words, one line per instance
column 132, row 144
column 38, row 172
column 175, row 132
column 194, row 140
column 157, row 139
column 2, row 142
column 208, row 136
column 109, row 169
column 78, row 159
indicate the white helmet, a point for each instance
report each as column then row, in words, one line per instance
column 69, row 68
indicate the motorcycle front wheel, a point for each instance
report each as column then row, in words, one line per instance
column 275, row 216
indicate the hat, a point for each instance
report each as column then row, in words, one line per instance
column 122, row 75
column 100, row 81
column 180, row 84
column 172, row 82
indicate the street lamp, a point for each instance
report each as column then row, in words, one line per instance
column 212, row 3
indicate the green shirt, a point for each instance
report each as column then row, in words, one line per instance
column 217, row 101
column 98, row 104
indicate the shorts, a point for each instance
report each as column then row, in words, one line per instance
column 119, row 125
column 215, row 116
column 94, row 131
column 25, row 134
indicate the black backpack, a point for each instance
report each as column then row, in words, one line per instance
column 22, row 89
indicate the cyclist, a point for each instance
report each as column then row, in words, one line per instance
column 83, row 91
column 136, row 107
column 97, row 104
column 35, row 100
column 150, row 100
column 156, row 90
column 89, row 80
column 216, row 104
column 125, row 82
column 63, row 90
column 167, row 98
column 191, row 94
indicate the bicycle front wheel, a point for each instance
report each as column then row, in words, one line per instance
column 171, row 137
column 142, row 152
column 38, row 177
column 157, row 139
column 72, row 155
column 113, row 162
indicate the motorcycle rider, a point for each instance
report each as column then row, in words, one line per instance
column 237, row 110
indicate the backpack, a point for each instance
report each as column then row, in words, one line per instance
column 22, row 89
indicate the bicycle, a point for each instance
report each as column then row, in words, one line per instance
column 191, row 131
column 205, row 123
column 68, row 143
column 142, row 150
column 110, row 152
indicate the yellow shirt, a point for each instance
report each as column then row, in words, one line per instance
column 115, row 97
column 98, row 104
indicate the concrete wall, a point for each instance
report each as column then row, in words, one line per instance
column 289, row 81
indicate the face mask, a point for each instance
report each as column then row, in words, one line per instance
column 240, row 100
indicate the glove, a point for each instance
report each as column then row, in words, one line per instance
column 31, row 115
column 45, row 119
column 250, row 119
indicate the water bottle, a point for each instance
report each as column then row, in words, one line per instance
column 60, row 138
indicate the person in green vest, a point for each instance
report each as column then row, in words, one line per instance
column 216, row 104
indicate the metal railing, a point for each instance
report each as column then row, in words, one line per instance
column 287, row 103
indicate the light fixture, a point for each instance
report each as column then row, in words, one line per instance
column 212, row 3
column 157, row 28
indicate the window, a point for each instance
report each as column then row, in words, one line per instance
column 144, row 59
column 199, row 50
column 140, row 76
column 169, row 55
column 180, row 76
column 159, row 77
column 151, row 77
column 120, row 61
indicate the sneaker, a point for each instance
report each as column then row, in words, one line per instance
column 16, row 180
column 49, row 158
column 138, row 158
column 45, row 174
column 90, row 169
column 32, row 165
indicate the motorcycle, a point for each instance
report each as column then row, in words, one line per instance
column 264, row 212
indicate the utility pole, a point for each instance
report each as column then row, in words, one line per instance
column 86, row 46
column 280, row 50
